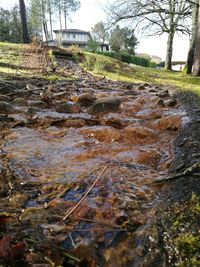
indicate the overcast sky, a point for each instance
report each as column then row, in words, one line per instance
column 91, row 11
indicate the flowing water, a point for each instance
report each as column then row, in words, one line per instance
column 58, row 156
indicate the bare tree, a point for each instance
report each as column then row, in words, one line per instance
column 22, row 7
column 196, row 65
column 99, row 32
column 156, row 17
column 190, row 58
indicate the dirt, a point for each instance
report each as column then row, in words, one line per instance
column 50, row 159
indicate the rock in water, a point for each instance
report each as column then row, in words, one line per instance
column 6, row 108
column 86, row 100
column 68, row 108
column 171, row 102
column 19, row 101
column 5, row 98
column 160, row 103
column 38, row 104
column 164, row 93
column 105, row 104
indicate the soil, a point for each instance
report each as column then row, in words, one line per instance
column 49, row 160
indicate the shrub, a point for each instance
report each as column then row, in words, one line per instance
column 88, row 62
column 99, row 65
column 92, row 46
column 129, row 59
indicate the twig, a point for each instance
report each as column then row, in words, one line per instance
column 85, row 196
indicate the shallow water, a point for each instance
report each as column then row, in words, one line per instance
column 64, row 162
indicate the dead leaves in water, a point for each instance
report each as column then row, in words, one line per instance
column 9, row 251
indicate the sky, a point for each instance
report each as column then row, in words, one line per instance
column 92, row 11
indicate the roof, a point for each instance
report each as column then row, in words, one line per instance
column 72, row 30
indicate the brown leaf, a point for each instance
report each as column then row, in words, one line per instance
column 9, row 251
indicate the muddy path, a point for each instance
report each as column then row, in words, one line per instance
column 55, row 140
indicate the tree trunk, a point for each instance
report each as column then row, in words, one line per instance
column 196, row 66
column 168, row 61
column 60, row 18
column 190, row 58
column 50, row 20
column 65, row 15
column 22, row 7
column 44, row 22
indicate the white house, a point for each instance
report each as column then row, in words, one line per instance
column 77, row 37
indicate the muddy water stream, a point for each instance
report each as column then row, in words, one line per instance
column 53, row 158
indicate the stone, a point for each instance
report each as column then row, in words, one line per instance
column 106, row 104
column 5, row 98
column 68, row 108
column 6, row 108
column 6, row 88
column 113, row 122
column 172, row 123
column 38, row 104
column 145, row 84
column 139, row 134
column 152, row 91
column 103, row 134
column 160, row 103
column 19, row 102
column 86, row 100
column 163, row 94
column 149, row 157
column 31, row 111
column 148, row 114
column 74, row 123
column 131, row 92
column 171, row 103
column 141, row 87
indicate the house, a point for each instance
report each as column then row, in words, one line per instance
column 77, row 37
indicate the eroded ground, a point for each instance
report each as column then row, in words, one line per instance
column 55, row 141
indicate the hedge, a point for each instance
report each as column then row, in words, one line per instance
column 129, row 59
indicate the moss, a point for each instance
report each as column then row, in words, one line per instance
column 181, row 234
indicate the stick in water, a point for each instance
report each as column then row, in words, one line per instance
column 85, row 196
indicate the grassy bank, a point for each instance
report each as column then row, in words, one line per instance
column 117, row 70
column 13, row 57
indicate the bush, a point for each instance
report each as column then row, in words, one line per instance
column 89, row 62
column 130, row 59
column 92, row 46
column 99, row 65
column 75, row 49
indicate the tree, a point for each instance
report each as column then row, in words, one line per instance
column 123, row 39
column 64, row 8
column 155, row 16
column 196, row 65
column 10, row 25
column 35, row 17
column 99, row 32
column 92, row 46
column 69, row 6
column 22, row 7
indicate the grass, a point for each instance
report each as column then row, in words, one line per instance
column 13, row 63
column 116, row 70
column 12, row 56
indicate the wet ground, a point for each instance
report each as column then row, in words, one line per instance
column 55, row 140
